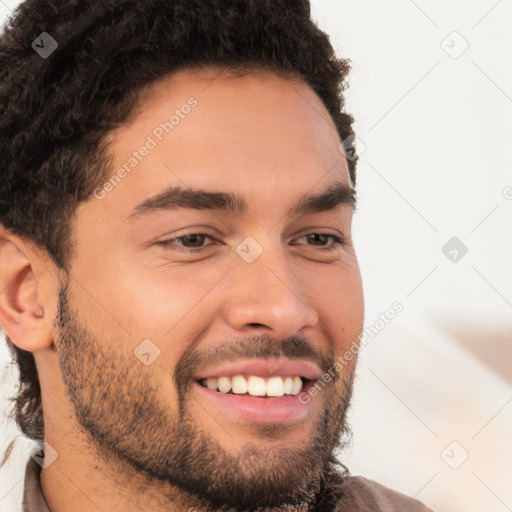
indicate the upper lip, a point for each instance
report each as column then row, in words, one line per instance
column 263, row 368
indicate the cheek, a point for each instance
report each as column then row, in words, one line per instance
column 169, row 305
column 338, row 299
column 336, row 293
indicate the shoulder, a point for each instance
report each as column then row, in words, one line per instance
column 362, row 494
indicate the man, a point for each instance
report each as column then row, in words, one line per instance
column 179, row 283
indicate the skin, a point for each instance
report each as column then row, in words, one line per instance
column 123, row 440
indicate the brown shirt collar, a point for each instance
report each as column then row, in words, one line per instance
column 33, row 497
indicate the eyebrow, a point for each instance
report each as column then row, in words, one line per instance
column 336, row 195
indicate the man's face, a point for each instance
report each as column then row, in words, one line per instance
column 163, row 296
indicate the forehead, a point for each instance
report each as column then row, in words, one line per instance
column 250, row 134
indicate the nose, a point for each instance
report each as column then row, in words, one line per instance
column 265, row 295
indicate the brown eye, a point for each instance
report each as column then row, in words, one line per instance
column 192, row 240
column 188, row 241
column 321, row 240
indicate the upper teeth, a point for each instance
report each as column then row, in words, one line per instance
column 254, row 385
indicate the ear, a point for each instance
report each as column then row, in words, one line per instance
column 26, row 280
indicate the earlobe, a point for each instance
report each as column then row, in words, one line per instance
column 22, row 315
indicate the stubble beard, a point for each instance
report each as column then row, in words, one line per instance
column 167, row 455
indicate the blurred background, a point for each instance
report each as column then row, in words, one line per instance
column 431, row 91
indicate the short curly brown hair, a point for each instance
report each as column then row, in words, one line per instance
column 55, row 112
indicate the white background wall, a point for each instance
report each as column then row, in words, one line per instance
column 437, row 163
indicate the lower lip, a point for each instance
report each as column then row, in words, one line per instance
column 261, row 409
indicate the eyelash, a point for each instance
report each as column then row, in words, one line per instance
column 339, row 240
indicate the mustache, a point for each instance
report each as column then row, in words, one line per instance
column 253, row 347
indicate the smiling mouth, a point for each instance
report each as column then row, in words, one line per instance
column 256, row 399
column 256, row 386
